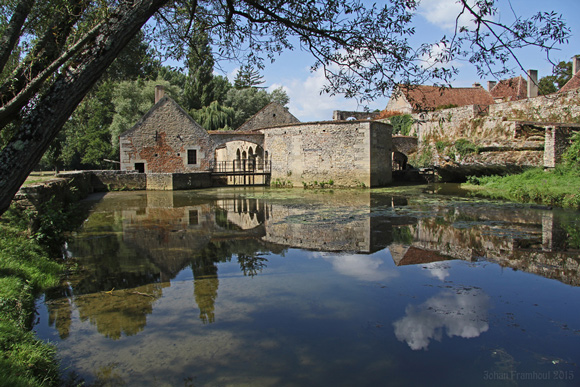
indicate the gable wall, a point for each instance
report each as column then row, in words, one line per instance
column 273, row 114
column 166, row 152
column 398, row 103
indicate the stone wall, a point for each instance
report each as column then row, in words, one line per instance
column 64, row 188
column 405, row 144
column 73, row 186
column 499, row 121
column 557, row 141
column 350, row 153
column 559, row 107
column 103, row 181
column 178, row 181
column 341, row 115
column 516, row 133
column 162, row 139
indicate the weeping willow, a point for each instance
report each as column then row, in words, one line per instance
column 214, row 116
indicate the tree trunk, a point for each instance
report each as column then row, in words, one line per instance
column 49, row 114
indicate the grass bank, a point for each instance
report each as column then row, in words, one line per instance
column 26, row 269
column 559, row 187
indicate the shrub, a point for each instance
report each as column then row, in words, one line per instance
column 464, row 147
column 402, row 124
column 572, row 155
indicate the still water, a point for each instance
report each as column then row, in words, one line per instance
column 265, row 287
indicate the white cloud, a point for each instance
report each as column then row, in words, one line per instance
column 361, row 267
column 463, row 315
column 307, row 104
column 443, row 13
column 439, row 270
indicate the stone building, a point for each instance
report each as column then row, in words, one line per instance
column 167, row 142
column 514, row 89
column 166, row 139
column 511, row 89
column 350, row 153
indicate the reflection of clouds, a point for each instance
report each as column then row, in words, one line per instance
column 438, row 270
column 362, row 267
column 462, row 315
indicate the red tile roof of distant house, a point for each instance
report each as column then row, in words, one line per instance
column 416, row 256
column 572, row 84
column 511, row 89
column 426, row 98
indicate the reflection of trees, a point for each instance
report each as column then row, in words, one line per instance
column 59, row 310
column 251, row 264
column 205, row 271
column 119, row 312
column 113, row 313
column 205, row 293
column 104, row 254
column 206, row 283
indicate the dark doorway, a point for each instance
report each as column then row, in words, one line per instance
column 140, row 167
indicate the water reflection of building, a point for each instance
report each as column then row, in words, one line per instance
column 145, row 239
column 336, row 223
column 530, row 240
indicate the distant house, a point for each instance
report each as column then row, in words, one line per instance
column 511, row 89
column 574, row 82
column 270, row 115
column 419, row 98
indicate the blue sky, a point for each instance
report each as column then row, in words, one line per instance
column 435, row 18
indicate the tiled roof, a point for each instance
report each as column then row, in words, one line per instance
column 573, row 83
column 511, row 89
column 431, row 97
column 416, row 256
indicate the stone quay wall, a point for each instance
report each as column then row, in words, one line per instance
column 529, row 132
column 348, row 153
column 178, row 181
column 69, row 187
column 64, row 188
column 498, row 121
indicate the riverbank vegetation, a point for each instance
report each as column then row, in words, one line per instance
column 558, row 187
column 26, row 269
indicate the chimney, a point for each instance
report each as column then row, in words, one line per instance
column 477, row 84
column 575, row 64
column 532, row 83
column 490, row 85
column 159, row 92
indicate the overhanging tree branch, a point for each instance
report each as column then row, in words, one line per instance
column 21, row 99
column 12, row 33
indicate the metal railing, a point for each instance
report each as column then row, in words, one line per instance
column 244, row 166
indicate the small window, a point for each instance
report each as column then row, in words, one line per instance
column 193, row 217
column 140, row 167
column 192, row 156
